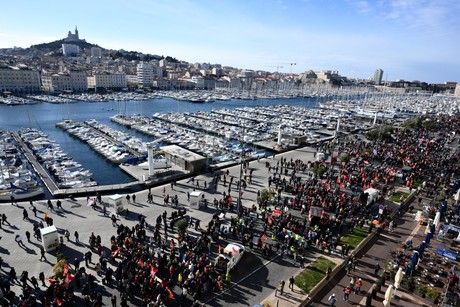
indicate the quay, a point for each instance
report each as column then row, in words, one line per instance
column 49, row 183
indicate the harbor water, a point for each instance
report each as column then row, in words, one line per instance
column 45, row 115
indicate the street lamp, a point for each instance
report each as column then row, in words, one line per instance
column 238, row 202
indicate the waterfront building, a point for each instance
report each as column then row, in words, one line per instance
column 19, row 79
column 72, row 81
column 107, row 81
column 199, row 81
column 378, row 75
column 145, row 75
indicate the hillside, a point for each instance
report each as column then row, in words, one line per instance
column 56, row 45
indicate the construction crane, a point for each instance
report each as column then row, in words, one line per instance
column 277, row 68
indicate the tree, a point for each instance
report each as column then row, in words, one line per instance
column 264, row 195
column 345, row 159
column 319, row 170
column 181, row 226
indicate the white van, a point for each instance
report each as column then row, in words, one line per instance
column 374, row 195
column 233, row 253
column 320, row 157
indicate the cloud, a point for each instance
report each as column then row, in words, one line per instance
column 362, row 6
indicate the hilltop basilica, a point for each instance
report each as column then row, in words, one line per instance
column 73, row 37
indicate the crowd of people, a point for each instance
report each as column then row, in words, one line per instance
column 305, row 204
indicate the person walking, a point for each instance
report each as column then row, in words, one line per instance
column 346, row 293
column 128, row 198
column 41, row 277
column 28, row 235
column 282, row 283
column 358, row 285
column 5, row 219
column 114, row 300
column 59, row 204
column 134, row 198
column 76, row 236
column 67, row 235
column 42, row 253
column 352, row 282
column 332, row 300
column 376, row 268
column 34, row 210
column 25, row 215
column 291, row 283
column 18, row 240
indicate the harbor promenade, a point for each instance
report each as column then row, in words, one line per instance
column 76, row 215
column 255, row 282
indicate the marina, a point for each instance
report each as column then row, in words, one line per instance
column 17, row 179
column 222, row 132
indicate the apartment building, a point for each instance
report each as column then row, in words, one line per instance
column 19, row 79
column 101, row 81
column 71, row 81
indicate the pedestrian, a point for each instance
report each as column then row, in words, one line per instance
column 128, row 198
column 114, row 300
column 104, row 210
column 42, row 253
column 291, row 282
column 376, row 268
column 188, row 196
column 59, row 204
column 134, row 198
column 41, row 277
column 34, row 282
column 352, row 282
column 332, row 300
column 67, row 235
column 25, row 215
column 50, row 205
column 34, row 210
column 346, row 293
column 76, row 236
column 76, row 264
column 5, row 219
column 12, row 200
column 114, row 220
column 358, row 285
column 28, row 235
column 18, row 240
column 282, row 283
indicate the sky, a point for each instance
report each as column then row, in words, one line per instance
column 408, row 39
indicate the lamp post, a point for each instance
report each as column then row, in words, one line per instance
column 238, row 202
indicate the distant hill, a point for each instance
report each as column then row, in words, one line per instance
column 56, row 45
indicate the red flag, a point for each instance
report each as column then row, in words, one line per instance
column 68, row 278
column 140, row 262
column 153, row 270
column 66, row 268
column 171, row 244
column 171, row 295
column 116, row 252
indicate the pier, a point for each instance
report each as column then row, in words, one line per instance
column 49, row 183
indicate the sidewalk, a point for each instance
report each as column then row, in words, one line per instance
column 368, row 257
